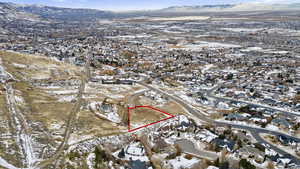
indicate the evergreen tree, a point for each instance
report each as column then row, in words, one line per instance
column 121, row 153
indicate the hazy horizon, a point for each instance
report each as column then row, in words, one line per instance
column 121, row 5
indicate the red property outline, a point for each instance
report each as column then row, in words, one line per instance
column 130, row 108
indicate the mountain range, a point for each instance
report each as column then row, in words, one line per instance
column 235, row 7
column 11, row 12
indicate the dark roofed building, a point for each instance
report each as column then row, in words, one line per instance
column 138, row 164
column 223, row 143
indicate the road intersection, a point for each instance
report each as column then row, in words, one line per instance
column 253, row 130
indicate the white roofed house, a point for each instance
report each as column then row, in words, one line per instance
column 205, row 136
column 183, row 123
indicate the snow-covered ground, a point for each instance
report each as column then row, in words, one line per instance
column 111, row 115
column 259, row 49
column 206, row 68
column 75, row 138
column 272, row 127
column 246, row 30
column 19, row 65
column 89, row 160
column 24, row 140
column 60, row 92
column 134, row 151
column 181, row 162
column 55, row 126
column 206, row 136
column 5, row 164
column 244, row 123
column 258, row 103
column 186, row 98
column 4, row 75
column 222, row 105
column 291, row 32
column 180, row 18
column 212, row 167
column 114, row 117
column 67, row 98
column 288, row 149
column 156, row 97
column 211, row 45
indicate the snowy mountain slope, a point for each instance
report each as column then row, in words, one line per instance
column 9, row 12
column 238, row 7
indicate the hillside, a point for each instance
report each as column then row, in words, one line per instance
column 37, row 13
column 57, row 13
column 9, row 12
column 232, row 8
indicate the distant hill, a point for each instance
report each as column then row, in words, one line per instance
column 36, row 13
column 11, row 11
column 236, row 7
column 58, row 13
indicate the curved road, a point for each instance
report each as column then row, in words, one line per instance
column 209, row 93
column 254, row 131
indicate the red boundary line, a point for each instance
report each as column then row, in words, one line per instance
column 129, row 108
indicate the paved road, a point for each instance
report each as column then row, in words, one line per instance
column 259, row 139
column 189, row 147
column 179, row 101
column 130, row 101
column 254, row 131
column 209, row 93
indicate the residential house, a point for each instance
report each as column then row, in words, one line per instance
column 282, row 123
column 223, row 143
column 235, row 116
column 249, row 152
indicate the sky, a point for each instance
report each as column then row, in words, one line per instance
column 120, row 5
